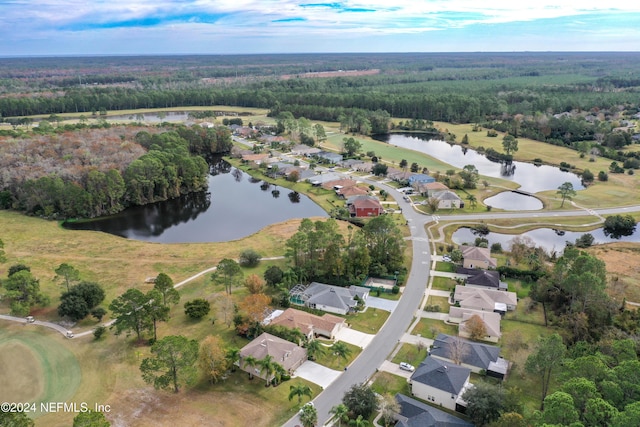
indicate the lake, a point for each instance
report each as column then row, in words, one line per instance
column 531, row 178
column 235, row 206
column 548, row 238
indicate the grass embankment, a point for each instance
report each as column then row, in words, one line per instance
column 411, row 354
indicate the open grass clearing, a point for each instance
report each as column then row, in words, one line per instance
column 430, row 328
column 411, row 354
column 622, row 261
column 387, row 383
column 441, row 302
column 331, row 360
column 369, row 321
column 443, row 284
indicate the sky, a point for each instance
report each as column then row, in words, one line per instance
column 129, row 27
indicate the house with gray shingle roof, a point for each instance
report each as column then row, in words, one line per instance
column 475, row 257
column 485, row 299
column 447, row 199
column 485, row 279
column 333, row 299
column 491, row 321
column 473, row 355
column 414, row 413
column 441, row 383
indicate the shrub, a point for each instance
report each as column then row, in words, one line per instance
column 99, row 332
column 395, row 290
column 603, row 176
column 496, row 248
column 249, row 258
column 197, row 308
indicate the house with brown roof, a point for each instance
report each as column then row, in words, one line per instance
column 364, row 206
column 428, row 188
column 256, row 158
column 475, row 257
column 491, row 321
column 309, row 324
column 348, row 192
column 338, row 183
column 287, row 354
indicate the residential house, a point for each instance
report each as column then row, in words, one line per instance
column 420, row 178
column 474, row 355
column 333, row 299
column 351, row 163
column 364, row 167
column 287, row 354
column 399, row 175
column 304, row 150
column 255, row 158
column 475, row 257
column 485, row 279
column 441, row 383
column 348, row 192
column 309, row 324
column 329, row 156
column 414, row 413
column 364, row 206
column 325, row 177
column 491, row 321
column 339, row 183
column 485, row 299
column 427, row 189
column 447, row 199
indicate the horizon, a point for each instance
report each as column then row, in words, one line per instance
column 50, row 28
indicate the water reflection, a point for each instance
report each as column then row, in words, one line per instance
column 233, row 208
column 530, row 177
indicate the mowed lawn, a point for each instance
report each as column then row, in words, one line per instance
column 35, row 366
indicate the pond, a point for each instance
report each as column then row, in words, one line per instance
column 235, row 206
column 170, row 116
column 550, row 239
column 531, row 178
column 512, row 201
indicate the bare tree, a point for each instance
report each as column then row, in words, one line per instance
column 458, row 349
column 226, row 308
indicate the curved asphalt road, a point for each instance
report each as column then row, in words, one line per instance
column 386, row 339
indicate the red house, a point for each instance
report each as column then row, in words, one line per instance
column 364, row 206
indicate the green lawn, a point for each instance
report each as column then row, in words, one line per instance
column 441, row 302
column 386, row 383
column 411, row 354
column 448, row 267
column 430, row 328
column 526, row 312
column 443, row 284
column 369, row 321
column 329, row 359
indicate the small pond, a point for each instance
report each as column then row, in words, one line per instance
column 550, row 239
column 531, row 178
column 235, row 206
column 512, row 201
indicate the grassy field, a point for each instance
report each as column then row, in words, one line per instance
column 443, row 284
column 329, row 359
column 386, row 383
column 430, row 328
column 369, row 321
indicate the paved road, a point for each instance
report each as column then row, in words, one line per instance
column 387, row 338
column 50, row 325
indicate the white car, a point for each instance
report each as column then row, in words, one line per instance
column 69, row 334
column 30, row 319
column 446, row 258
column 407, row 367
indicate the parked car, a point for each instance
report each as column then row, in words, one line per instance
column 407, row 367
column 69, row 334
column 446, row 258
column 30, row 319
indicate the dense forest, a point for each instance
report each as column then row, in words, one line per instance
column 90, row 172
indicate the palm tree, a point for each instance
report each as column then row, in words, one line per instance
column 341, row 349
column 278, row 373
column 233, row 356
column 299, row 390
column 314, row 349
column 266, row 365
column 251, row 362
column 308, row 415
column 359, row 422
column 341, row 413
column 473, row 202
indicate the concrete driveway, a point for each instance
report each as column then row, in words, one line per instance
column 350, row 336
column 317, row 374
column 381, row 303
column 394, row 368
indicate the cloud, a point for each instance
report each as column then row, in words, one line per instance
column 71, row 23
